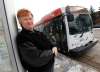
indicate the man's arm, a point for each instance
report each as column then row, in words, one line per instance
column 54, row 48
column 34, row 56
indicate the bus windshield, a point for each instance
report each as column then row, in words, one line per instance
column 81, row 23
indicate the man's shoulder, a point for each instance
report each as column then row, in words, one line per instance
column 20, row 37
column 19, row 34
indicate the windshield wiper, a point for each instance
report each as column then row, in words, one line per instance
column 82, row 31
column 82, row 34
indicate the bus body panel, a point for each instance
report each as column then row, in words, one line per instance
column 70, row 28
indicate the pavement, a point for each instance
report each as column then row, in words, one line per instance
column 66, row 64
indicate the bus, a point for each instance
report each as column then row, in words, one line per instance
column 69, row 28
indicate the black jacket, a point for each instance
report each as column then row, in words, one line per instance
column 34, row 49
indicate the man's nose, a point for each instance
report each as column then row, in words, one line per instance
column 29, row 20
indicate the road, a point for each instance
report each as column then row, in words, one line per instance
column 66, row 64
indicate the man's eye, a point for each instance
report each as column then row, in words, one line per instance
column 25, row 19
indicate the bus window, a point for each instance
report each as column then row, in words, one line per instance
column 56, row 32
column 81, row 23
column 74, row 27
column 85, row 19
column 5, row 63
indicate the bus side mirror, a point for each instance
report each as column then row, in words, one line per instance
column 70, row 17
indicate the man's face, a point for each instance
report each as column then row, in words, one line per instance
column 27, row 22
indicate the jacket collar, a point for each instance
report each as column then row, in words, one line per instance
column 27, row 31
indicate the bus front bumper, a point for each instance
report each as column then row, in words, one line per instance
column 82, row 49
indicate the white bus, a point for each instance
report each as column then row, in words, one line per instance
column 70, row 28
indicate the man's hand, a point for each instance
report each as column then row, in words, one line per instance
column 55, row 51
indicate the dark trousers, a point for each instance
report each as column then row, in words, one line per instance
column 49, row 69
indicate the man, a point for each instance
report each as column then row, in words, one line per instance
column 35, row 50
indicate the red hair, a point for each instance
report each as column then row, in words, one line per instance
column 23, row 12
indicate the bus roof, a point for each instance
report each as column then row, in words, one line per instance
column 50, row 16
column 58, row 12
column 76, row 9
